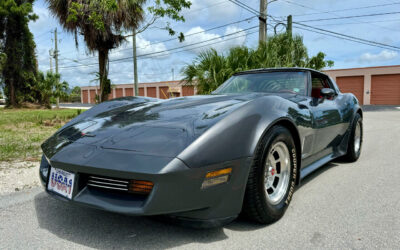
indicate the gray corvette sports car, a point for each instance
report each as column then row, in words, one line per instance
column 241, row 150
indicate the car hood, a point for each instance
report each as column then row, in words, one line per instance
column 150, row 127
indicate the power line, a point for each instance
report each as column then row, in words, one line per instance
column 188, row 45
column 250, row 33
column 208, row 44
column 347, row 17
column 176, row 48
column 339, row 37
column 209, row 6
column 340, row 10
column 347, row 37
column 332, row 13
column 339, row 17
column 184, row 46
column 189, row 11
column 379, row 21
column 246, row 7
column 173, row 39
column 301, row 5
column 196, row 33
column 42, row 34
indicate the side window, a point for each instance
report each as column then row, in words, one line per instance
column 318, row 83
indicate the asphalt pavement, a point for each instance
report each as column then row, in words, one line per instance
column 74, row 105
column 340, row 206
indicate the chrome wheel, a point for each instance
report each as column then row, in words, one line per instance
column 357, row 137
column 277, row 172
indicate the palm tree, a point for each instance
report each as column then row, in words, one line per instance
column 60, row 90
column 49, row 86
column 210, row 68
column 101, row 23
column 44, row 86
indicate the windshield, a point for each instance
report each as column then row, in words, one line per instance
column 268, row 82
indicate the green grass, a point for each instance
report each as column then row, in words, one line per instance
column 23, row 130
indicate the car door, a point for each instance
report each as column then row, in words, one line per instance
column 327, row 115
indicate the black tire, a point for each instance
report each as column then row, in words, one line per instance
column 256, row 206
column 352, row 154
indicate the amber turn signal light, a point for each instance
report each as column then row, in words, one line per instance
column 219, row 172
column 140, row 187
column 216, row 177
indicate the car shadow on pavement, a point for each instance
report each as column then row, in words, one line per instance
column 100, row 229
column 103, row 230
column 309, row 178
column 241, row 224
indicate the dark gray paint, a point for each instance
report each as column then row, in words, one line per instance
column 175, row 142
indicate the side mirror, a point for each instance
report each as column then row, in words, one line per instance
column 327, row 92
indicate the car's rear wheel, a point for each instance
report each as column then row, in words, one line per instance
column 355, row 140
column 272, row 177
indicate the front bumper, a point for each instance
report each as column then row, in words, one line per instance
column 177, row 188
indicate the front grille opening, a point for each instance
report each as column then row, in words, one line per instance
column 111, row 184
column 108, row 183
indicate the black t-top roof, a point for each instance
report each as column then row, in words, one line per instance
column 283, row 69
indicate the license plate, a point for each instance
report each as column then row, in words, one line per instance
column 61, row 182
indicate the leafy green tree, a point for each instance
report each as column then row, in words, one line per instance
column 210, row 68
column 19, row 69
column 102, row 23
column 60, row 90
column 3, row 58
column 50, row 87
column 44, row 87
column 75, row 94
column 76, row 91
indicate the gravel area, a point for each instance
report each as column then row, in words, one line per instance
column 18, row 176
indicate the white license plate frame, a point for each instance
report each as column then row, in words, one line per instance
column 61, row 182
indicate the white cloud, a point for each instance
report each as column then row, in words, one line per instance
column 41, row 24
column 217, row 41
column 143, row 47
column 212, row 10
column 235, row 39
column 206, row 14
column 384, row 55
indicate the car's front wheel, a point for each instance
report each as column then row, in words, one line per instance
column 355, row 140
column 272, row 177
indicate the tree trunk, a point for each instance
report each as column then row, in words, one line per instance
column 12, row 64
column 12, row 101
column 103, row 73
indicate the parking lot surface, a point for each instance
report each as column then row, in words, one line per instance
column 340, row 206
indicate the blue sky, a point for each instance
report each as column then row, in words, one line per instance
column 206, row 14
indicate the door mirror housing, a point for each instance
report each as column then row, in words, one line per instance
column 327, row 92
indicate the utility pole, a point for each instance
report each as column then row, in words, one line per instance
column 51, row 60
column 172, row 71
column 135, row 74
column 262, row 33
column 56, row 49
column 56, row 60
column 289, row 25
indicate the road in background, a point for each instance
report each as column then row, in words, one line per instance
column 340, row 206
column 74, row 105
